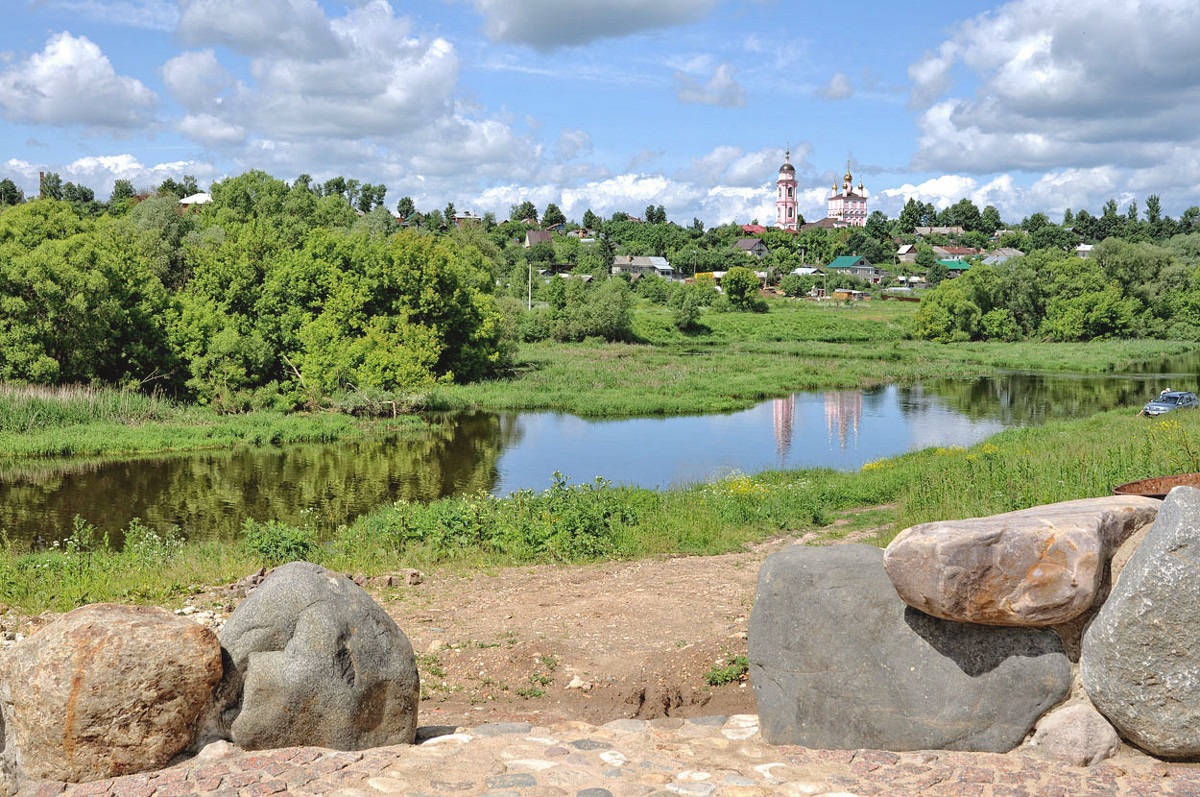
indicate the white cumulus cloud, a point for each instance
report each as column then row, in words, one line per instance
column 72, row 82
column 1062, row 84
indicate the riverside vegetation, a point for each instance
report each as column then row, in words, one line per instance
column 578, row 523
column 215, row 328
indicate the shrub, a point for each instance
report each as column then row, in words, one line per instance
column 275, row 543
column 741, row 286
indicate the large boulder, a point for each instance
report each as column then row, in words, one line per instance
column 312, row 660
column 838, row 661
column 1036, row 567
column 1141, row 655
column 105, row 691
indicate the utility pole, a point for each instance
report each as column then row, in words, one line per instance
column 529, row 304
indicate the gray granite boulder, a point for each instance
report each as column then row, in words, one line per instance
column 1035, row 567
column 1141, row 655
column 104, row 691
column 1076, row 734
column 311, row 659
column 838, row 661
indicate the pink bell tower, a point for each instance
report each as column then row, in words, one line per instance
column 785, row 198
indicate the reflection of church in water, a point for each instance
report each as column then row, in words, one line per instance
column 843, row 412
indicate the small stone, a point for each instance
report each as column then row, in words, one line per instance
column 692, row 789
column 695, row 775
column 593, row 792
column 388, row 785
column 436, row 646
column 1077, row 735
column 535, row 764
column 216, row 751
column 588, row 745
column 511, row 781
column 626, row 726
column 457, row 738
column 715, row 721
column 503, row 729
column 614, row 758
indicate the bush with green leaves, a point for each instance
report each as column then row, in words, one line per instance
column 275, row 543
column 741, row 286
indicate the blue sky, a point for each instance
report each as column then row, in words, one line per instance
column 1029, row 105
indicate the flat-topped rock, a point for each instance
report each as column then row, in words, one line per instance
column 1141, row 654
column 1035, row 567
column 837, row 661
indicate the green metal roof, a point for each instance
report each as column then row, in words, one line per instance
column 849, row 261
column 955, row 265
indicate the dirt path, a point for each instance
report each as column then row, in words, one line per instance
column 595, row 642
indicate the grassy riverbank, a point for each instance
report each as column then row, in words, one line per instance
column 731, row 362
column 81, row 421
column 575, row 523
column 739, row 359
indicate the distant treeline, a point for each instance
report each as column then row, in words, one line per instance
column 1121, row 290
column 277, row 294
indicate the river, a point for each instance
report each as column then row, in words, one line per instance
column 210, row 494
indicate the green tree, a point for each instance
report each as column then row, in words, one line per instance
column 51, row 186
column 523, row 211
column 9, row 193
column 590, row 220
column 122, row 190
column 741, row 286
column 1034, row 223
column 79, row 194
column 910, row 215
column 989, row 220
column 553, row 215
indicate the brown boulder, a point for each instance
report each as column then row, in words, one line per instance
column 1035, row 567
column 104, row 691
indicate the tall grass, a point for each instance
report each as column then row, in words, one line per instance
column 89, row 421
column 25, row 408
column 578, row 523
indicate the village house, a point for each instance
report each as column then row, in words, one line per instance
column 752, row 246
column 955, row 252
column 638, row 266
column 1002, row 255
column 907, row 253
column 535, row 237
column 921, row 232
column 856, row 266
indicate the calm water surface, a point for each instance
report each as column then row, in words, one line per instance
column 210, row 494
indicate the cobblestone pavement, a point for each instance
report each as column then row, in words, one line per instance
column 666, row 757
